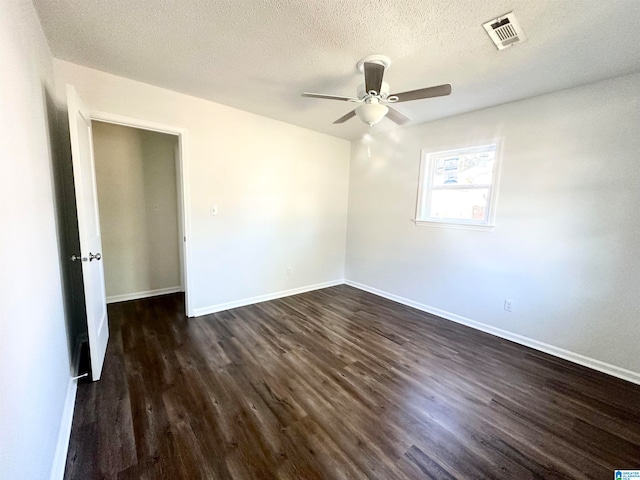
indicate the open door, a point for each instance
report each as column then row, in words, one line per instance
column 89, row 257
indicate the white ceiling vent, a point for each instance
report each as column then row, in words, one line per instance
column 505, row 31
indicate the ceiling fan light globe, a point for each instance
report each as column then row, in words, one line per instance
column 371, row 113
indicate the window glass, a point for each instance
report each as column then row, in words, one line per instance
column 458, row 186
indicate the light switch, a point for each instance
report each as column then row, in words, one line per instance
column 214, row 209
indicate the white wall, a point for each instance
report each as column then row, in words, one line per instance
column 566, row 246
column 138, row 203
column 281, row 190
column 34, row 356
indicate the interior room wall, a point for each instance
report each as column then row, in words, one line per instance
column 565, row 247
column 138, row 204
column 281, row 190
column 35, row 380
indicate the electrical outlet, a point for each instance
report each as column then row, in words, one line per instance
column 289, row 271
column 508, row 305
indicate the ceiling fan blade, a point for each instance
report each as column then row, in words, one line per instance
column 429, row 92
column 396, row 116
column 328, row 97
column 373, row 73
column 346, row 117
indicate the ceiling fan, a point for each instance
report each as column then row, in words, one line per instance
column 373, row 95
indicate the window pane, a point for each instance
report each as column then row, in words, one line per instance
column 460, row 204
column 464, row 168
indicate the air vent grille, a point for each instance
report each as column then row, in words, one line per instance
column 505, row 31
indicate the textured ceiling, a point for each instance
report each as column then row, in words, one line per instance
column 260, row 55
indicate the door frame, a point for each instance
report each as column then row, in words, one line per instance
column 182, row 171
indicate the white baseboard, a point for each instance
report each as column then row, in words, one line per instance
column 583, row 360
column 149, row 293
column 64, row 433
column 263, row 298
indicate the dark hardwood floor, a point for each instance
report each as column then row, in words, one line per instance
column 339, row 383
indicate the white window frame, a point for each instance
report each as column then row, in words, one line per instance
column 427, row 163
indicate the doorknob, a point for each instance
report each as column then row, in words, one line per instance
column 92, row 257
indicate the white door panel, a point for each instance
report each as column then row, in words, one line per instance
column 89, row 227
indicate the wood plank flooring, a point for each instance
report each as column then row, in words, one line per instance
column 340, row 384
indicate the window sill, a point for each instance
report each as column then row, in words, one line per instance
column 458, row 226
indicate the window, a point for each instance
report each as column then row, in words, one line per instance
column 458, row 188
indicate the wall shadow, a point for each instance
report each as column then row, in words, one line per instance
column 66, row 227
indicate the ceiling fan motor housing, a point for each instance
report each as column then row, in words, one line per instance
column 384, row 93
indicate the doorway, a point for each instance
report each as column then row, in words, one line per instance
column 140, row 178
